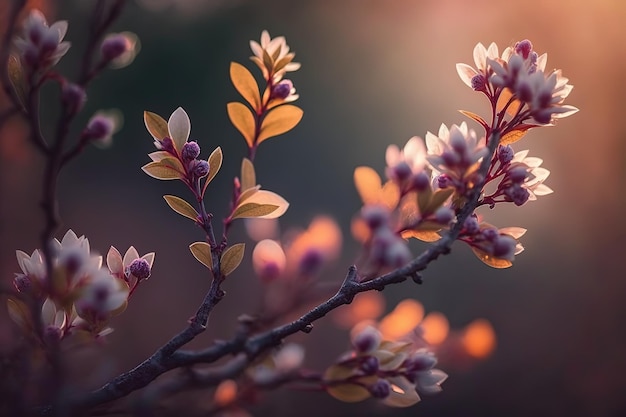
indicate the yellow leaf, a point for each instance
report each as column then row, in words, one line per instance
column 349, row 393
column 516, row 134
column 280, row 120
column 345, row 391
column 423, row 235
column 368, row 184
column 245, row 84
column 161, row 171
column 475, row 117
column 242, row 118
column 215, row 163
column 504, row 98
column 16, row 76
column 248, row 176
column 20, row 313
column 181, row 207
column 264, row 197
column 249, row 210
column 231, row 258
column 491, row 260
column 156, row 125
column 202, row 252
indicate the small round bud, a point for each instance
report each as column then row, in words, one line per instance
column 140, row 268
column 380, row 389
column 73, row 97
column 444, row 181
column 401, row 171
column 375, row 216
column 518, row 174
column 504, row 247
column 450, row 158
column 471, row 225
column 421, row 361
column 201, row 169
column 100, row 128
column 370, row 365
column 367, row 340
column 420, row 182
column 490, row 234
column 505, row 154
column 479, row 82
column 523, row 48
column 114, row 46
column 311, row 262
column 517, row 194
column 22, row 283
column 543, row 116
column 444, row 215
column 524, row 91
column 282, row 89
column 190, row 151
column 397, row 254
column 52, row 334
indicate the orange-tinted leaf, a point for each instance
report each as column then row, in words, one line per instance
column 248, row 176
column 161, row 171
column 390, row 194
column 248, row 210
column 181, row 207
column 156, row 125
column 491, row 260
column 349, row 393
column 231, row 258
column 504, row 98
column 423, row 235
column 215, row 163
column 516, row 134
column 368, row 184
column 18, row 81
column 20, row 313
column 264, row 197
column 280, row 120
column 243, row 119
column 245, row 83
column 202, row 252
column 475, row 117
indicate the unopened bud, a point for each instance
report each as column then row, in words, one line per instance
column 401, row 171
column 22, row 283
column 444, row 181
column 380, row 389
column 311, row 262
column 190, row 151
column 490, row 234
column 370, row 365
column 100, row 128
column 471, row 225
column 282, row 89
column 420, row 182
column 367, row 340
column 504, row 247
column 421, row 361
column 114, row 46
column 140, row 268
column 523, row 48
column 479, row 82
column 505, row 154
column 444, row 215
column 73, row 97
column 518, row 174
column 517, row 194
column 375, row 216
column 201, row 169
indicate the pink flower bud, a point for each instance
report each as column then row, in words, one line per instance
column 73, row 97
column 367, row 340
column 139, row 268
column 523, row 48
column 282, row 89
column 114, row 46
column 380, row 389
column 200, row 169
column 190, row 151
column 504, row 247
column 22, row 283
column 100, row 128
column 505, row 154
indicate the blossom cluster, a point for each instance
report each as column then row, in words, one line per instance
column 78, row 296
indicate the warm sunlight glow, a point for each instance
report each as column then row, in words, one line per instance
column 226, row 392
column 479, row 338
column 404, row 318
column 436, row 328
column 366, row 306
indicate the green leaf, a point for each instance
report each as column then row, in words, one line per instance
column 248, row 176
column 156, row 125
column 181, row 207
column 249, row 210
column 202, row 252
column 231, row 258
column 245, row 84
column 242, row 118
column 215, row 163
column 280, row 120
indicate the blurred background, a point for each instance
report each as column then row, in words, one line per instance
column 373, row 73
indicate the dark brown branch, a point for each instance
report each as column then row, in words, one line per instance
column 168, row 357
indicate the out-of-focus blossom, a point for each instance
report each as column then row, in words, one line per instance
column 268, row 260
column 477, row 77
column 102, row 126
column 315, row 247
column 42, row 46
column 273, row 57
column 404, row 166
column 101, row 297
column 120, row 49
